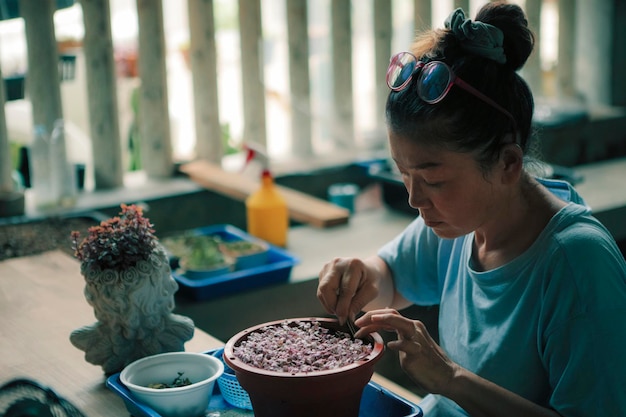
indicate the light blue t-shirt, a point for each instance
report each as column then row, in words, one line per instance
column 549, row 325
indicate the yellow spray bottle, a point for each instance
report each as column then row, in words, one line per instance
column 267, row 214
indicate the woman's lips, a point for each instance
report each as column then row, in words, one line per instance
column 431, row 223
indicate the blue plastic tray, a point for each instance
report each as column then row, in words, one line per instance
column 375, row 402
column 276, row 270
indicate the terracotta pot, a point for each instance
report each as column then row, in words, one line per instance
column 329, row 393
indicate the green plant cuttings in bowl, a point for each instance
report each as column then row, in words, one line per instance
column 197, row 252
column 179, row 381
column 240, row 247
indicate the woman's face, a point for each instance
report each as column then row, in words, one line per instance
column 452, row 194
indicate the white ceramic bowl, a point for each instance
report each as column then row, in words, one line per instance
column 187, row 401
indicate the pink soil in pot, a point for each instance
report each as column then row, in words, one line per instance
column 331, row 389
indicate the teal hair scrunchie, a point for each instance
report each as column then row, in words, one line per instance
column 478, row 38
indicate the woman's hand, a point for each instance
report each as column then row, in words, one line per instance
column 347, row 285
column 420, row 357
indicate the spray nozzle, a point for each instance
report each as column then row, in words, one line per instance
column 256, row 152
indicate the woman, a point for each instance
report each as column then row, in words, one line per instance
column 531, row 288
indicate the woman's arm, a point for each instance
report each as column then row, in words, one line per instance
column 428, row 365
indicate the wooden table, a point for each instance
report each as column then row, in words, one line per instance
column 41, row 303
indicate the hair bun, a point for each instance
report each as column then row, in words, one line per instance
column 518, row 38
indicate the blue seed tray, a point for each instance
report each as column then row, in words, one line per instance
column 375, row 402
column 277, row 269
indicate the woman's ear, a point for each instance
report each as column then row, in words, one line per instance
column 511, row 162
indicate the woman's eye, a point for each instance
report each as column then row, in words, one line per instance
column 433, row 183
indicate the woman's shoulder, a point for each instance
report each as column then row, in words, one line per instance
column 563, row 190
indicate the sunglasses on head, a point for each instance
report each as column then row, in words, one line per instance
column 435, row 79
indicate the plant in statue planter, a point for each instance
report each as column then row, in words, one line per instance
column 129, row 284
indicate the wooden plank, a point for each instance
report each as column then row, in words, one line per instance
column 302, row 207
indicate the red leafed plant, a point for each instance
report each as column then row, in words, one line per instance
column 117, row 243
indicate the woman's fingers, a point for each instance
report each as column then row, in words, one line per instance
column 340, row 285
column 329, row 278
column 387, row 319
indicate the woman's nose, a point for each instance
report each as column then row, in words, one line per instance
column 417, row 197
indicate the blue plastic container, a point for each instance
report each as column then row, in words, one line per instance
column 375, row 402
column 276, row 269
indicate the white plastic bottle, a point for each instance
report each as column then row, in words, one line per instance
column 62, row 172
column 40, row 168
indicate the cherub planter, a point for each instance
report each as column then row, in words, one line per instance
column 128, row 283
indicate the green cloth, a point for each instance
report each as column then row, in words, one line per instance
column 477, row 38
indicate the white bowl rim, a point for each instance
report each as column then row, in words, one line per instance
column 193, row 386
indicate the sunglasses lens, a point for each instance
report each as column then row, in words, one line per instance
column 400, row 70
column 433, row 82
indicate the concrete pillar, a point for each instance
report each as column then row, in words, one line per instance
column 566, row 59
column 596, row 24
column 532, row 72
column 253, row 82
column 299, row 77
column 102, row 94
column 6, row 165
column 343, row 114
column 154, row 119
column 423, row 14
column 601, row 57
column 43, row 89
column 203, row 53
column 463, row 4
column 383, row 31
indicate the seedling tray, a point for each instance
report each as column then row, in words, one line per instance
column 277, row 269
column 375, row 402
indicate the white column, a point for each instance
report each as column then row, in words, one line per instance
column 154, row 119
column 202, row 50
column 343, row 113
column 298, row 38
column 595, row 39
column 423, row 14
column 43, row 89
column 566, row 49
column 102, row 95
column 6, row 170
column 383, row 32
column 253, row 84
column 532, row 70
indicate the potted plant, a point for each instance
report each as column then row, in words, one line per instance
column 129, row 284
column 303, row 367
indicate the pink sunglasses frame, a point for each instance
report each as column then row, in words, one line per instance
column 453, row 79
